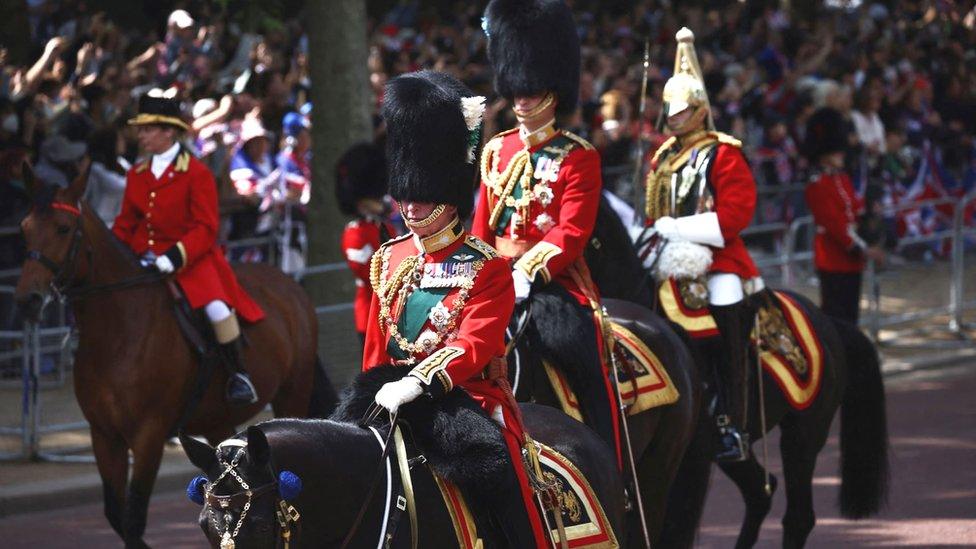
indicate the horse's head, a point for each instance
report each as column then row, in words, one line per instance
column 53, row 235
column 244, row 499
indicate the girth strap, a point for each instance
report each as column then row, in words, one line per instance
column 407, row 484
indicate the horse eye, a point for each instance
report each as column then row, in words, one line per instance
column 63, row 229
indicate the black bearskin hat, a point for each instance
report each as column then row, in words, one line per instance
column 826, row 133
column 533, row 47
column 360, row 173
column 433, row 128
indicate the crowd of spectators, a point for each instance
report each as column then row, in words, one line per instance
column 902, row 72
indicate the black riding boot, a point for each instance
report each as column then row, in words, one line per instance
column 239, row 389
column 730, row 418
column 507, row 510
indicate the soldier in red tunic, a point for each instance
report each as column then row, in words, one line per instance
column 700, row 195
column 540, row 184
column 169, row 218
column 360, row 189
column 443, row 298
column 839, row 252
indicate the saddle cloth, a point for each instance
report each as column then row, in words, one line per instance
column 648, row 387
column 583, row 517
column 790, row 350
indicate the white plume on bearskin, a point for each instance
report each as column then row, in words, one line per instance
column 682, row 259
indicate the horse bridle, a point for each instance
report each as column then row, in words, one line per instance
column 64, row 272
column 285, row 513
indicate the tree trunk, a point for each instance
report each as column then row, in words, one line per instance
column 340, row 117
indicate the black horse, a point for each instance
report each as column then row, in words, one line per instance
column 851, row 381
column 336, row 462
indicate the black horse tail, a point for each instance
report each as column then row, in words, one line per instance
column 863, row 428
column 324, row 398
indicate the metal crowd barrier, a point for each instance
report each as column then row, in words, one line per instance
column 956, row 305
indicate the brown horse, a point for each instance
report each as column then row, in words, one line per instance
column 134, row 369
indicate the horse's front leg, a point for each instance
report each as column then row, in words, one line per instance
column 112, row 459
column 147, row 452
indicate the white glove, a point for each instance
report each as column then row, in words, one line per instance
column 667, row 227
column 522, row 285
column 164, row 265
column 396, row 393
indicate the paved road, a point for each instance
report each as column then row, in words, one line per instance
column 932, row 419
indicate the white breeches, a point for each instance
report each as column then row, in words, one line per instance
column 217, row 311
column 724, row 289
column 728, row 288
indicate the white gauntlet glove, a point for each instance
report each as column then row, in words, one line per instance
column 700, row 228
column 522, row 285
column 666, row 227
column 164, row 265
column 397, row 393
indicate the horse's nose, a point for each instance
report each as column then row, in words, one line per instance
column 30, row 306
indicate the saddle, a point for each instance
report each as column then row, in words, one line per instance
column 199, row 334
column 789, row 348
column 464, row 450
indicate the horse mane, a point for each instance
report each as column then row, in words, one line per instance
column 43, row 197
column 106, row 235
column 614, row 265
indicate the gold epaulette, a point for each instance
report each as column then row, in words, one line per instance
column 727, row 139
column 668, row 143
column 182, row 162
column 483, row 247
column 375, row 266
column 579, row 140
column 500, row 135
column 376, row 262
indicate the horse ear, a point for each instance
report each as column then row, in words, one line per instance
column 76, row 189
column 200, row 453
column 30, row 182
column 258, row 450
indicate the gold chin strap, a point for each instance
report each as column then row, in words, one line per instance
column 546, row 102
column 427, row 221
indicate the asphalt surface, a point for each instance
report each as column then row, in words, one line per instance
column 932, row 422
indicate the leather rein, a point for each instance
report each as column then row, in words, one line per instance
column 64, row 272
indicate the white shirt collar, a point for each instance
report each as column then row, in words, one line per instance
column 162, row 161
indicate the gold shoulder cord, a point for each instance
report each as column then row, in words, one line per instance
column 657, row 187
column 518, row 169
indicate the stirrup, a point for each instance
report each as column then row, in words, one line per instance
column 240, row 390
column 734, row 445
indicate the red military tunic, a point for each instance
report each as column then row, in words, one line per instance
column 729, row 191
column 537, row 204
column 452, row 324
column 835, row 208
column 180, row 209
column 360, row 239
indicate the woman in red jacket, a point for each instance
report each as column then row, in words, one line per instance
column 839, row 252
column 169, row 218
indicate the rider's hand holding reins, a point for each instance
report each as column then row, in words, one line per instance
column 700, row 228
column 397, row 393
column 523, row 286
column 164, row 265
